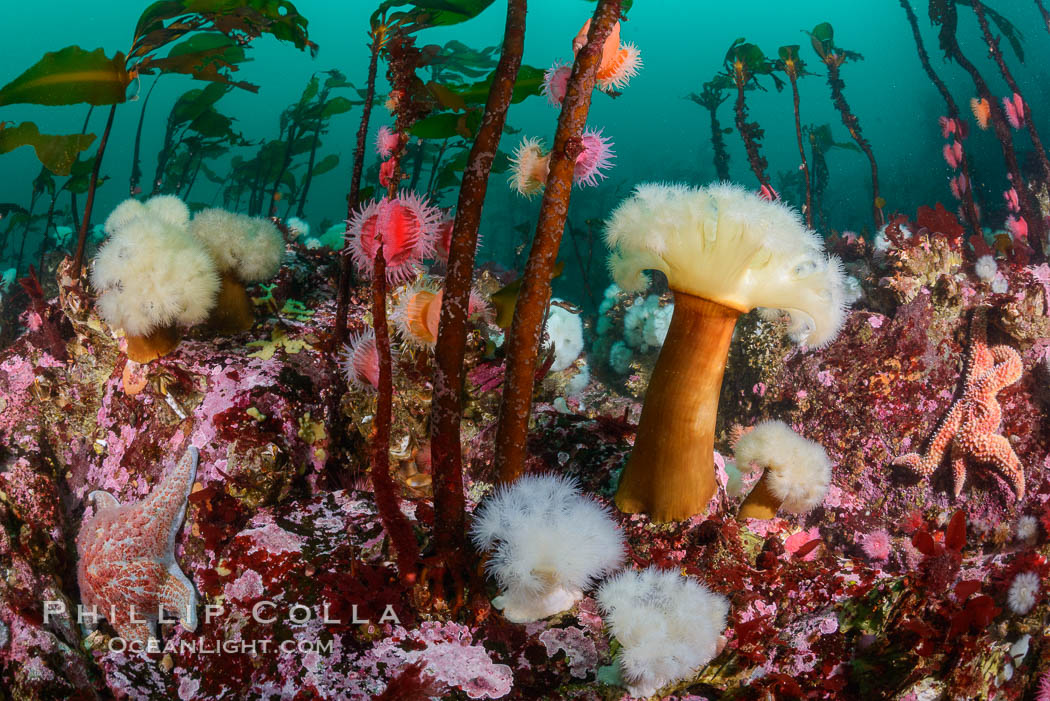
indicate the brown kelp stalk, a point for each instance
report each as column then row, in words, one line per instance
column 394, row 521
column 823, row 38
column 530, row 310
column 378, row 35
column 85, row 222
column 744, row 62
column 711, row 98
column 793, row 66
column 947, row 17
column 400, row 65
column 997, row 55
column 446, row 407
column 1043, row 11
column 969, row 207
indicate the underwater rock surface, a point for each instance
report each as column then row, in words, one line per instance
column 299, row 591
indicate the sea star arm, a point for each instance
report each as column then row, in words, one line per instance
column 179, row 596
column 958, row 468
column 996, row 451
column 980, row 358
column 924, row 465
column 136, row 632
column 166, row 505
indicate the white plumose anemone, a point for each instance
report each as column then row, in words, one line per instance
column 151, row 274
column 668, row 625
column 547, row 543
column 251, row 248
column 724, row 251
column 797, row 470
column 565, row 331
column 726, row 244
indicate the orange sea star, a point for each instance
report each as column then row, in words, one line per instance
column 970, row 429
column 127, row 567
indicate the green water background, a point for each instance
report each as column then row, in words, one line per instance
column 658, row 135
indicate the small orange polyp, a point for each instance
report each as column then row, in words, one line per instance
column 420, row 317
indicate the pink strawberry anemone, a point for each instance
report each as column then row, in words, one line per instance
column 360, row 361
column 595, row 159
column 407, row 225
column 1014, row 109
column 529, row 167
column 556, row 83
column 386, row 141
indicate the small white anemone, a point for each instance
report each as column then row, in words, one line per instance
column 548, row 543
column 668, row 626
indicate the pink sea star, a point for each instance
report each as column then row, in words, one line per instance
column 970, row 428
column 127, row 567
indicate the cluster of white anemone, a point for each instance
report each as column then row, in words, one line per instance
column 548, row 543
column 159, row 268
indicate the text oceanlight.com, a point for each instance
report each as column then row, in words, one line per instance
column 263, row 612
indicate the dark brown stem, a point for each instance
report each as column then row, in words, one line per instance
column 853, row 126
column 309, row 177
column 417, row 163
column 793, row 76
column 969, row 207
column 997, row 55
column 527, row 328
column 434, row 168
column 446, row 406
column 1043, row 11
column 394, row 521
column 293, row 134
column 718, row 142
column 25, row 229
column 85, row 222
column 47, row 228
column 345, row 274
column 750, row 132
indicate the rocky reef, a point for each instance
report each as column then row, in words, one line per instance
column 893, row 588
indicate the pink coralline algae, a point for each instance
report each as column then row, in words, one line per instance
column 127, row 565
column 580, row 650
column 969, row 432
column 449, row 656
